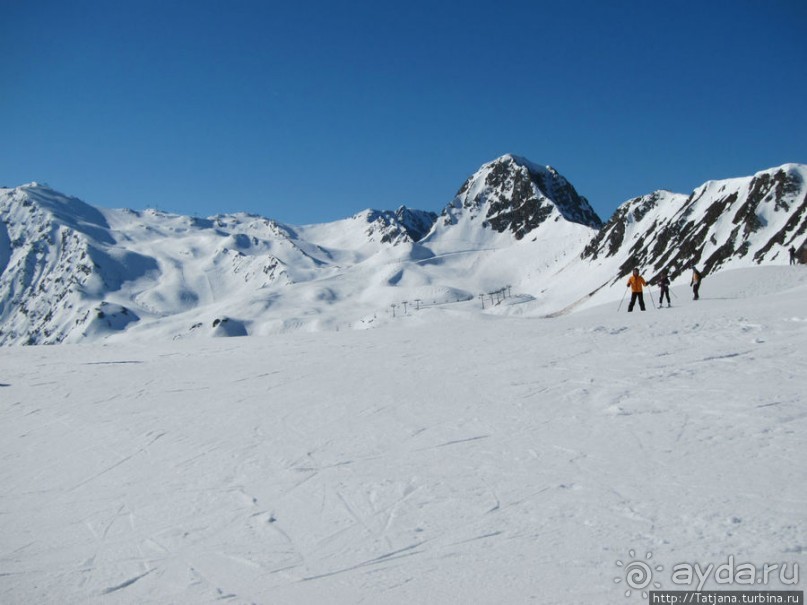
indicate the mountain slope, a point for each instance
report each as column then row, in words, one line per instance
column 734, row 222
column 60, row 255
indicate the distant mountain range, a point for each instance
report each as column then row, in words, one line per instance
column 516, row 239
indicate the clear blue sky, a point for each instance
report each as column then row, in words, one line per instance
column 312, row 111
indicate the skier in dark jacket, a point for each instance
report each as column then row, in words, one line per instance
column 695, row 282
column 664, row 284
column 792, row 255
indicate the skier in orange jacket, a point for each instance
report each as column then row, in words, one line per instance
column 636, row 282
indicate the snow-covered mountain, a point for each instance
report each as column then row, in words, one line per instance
column 733, row 222
column 513, row 195
column 71, row 272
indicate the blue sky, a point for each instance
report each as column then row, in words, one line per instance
column 310, row 112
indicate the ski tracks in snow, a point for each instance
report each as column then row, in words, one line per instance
column 511, row 460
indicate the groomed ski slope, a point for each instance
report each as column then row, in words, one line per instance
column 476, row 460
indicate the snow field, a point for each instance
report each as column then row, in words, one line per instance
column 461, row 460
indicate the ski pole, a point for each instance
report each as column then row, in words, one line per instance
column 621, row 301
column 651, row 298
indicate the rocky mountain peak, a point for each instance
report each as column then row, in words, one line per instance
column 516, row 195
column 401, row 226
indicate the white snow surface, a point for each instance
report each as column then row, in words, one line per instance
column 450, row 458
